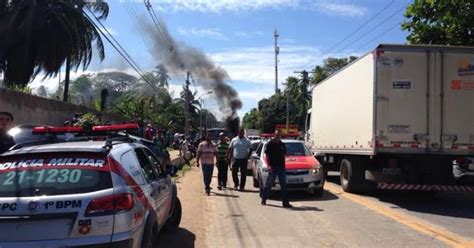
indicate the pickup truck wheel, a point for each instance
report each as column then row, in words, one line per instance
column 173, row 221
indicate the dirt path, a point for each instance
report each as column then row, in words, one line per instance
column 194, row 222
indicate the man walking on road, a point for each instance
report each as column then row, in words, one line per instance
column 239, row 151
column 276, row 152
column 205, row 154
column 222, row 162
column 6, row 141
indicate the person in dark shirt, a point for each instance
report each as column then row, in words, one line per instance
column 276, row 152
column 6, row 141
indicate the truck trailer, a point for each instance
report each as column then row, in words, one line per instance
column 399, row 117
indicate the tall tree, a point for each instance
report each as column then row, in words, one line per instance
column 441, row 22
column 330, row 66
column 38, row 36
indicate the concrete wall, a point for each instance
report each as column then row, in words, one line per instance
column 29, row 109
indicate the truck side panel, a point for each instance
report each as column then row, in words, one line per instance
column 458, row 103
column 425, row 105
column 342, row 110
column 403, row 83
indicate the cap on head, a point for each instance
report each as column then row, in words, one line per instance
column 221, row 134
column 7, row 114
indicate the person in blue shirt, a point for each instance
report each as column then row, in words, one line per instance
column 239, row 152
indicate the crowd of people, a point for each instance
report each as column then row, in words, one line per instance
column 235, row 154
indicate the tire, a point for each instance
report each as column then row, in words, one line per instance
column 352, row 176
column 150, row 237
column 172, row 224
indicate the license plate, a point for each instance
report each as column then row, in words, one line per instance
column 295, row 180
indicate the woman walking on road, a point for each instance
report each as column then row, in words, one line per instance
column 206, row 153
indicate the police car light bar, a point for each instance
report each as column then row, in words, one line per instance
column 58, row 130
column 115, row 128
column 41, row 130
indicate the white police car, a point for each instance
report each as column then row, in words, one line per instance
column 110, row 193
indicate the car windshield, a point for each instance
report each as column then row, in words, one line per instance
column 53, row 174
column 296, row 149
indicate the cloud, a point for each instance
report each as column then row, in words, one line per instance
column 247, row 35
column 221, row 5
column 212, row 33
column 256, row 64
column 342, row 9
column 213, row 6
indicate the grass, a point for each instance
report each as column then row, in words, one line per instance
column 181, row 172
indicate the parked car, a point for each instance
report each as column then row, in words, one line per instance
column 303, row 170
column 112, row 193
column 253, row 148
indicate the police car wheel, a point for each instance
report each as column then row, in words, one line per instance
column 173, row 221
column 150, row 237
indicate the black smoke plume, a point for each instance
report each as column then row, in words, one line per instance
column 180, row 58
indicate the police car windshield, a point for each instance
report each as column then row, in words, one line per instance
column 53, row 174
column 296, row 149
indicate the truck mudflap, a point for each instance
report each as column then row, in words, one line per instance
column 419, row 187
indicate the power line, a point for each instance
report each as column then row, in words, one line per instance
column 326, row 52
column 135, row 19
column 375, row 28
column 379, row 35
column 355, row 31
column 127, row 57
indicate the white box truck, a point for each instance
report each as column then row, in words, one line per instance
column 399, row 117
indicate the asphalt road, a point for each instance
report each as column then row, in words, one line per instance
column 231, row 218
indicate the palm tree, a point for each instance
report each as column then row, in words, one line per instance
column 39, row 36
column 188, row 97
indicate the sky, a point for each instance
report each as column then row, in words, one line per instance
column 238, row 35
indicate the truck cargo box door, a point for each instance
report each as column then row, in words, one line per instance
column 401, row 94
column 458, row 102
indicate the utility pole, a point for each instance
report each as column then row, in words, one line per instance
column 186, row 99
column 277, row 51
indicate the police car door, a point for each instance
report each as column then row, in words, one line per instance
column 164, row 187
column 151, row 177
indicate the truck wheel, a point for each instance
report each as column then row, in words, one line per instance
column 350, row 177
column 353, row 176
